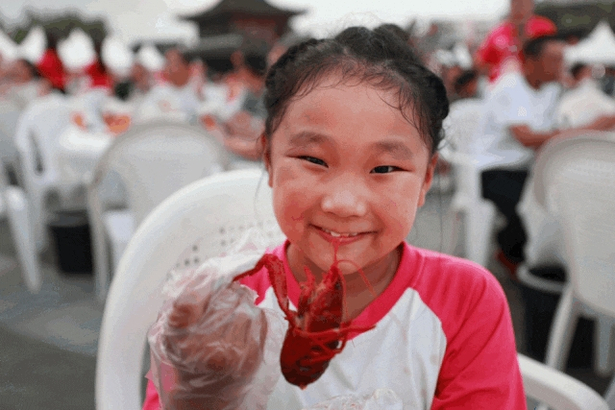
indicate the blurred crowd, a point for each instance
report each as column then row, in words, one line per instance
column 110, row 87
column 113, row 87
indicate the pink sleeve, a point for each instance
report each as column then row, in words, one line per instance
column 480, row 368
column 152, row 402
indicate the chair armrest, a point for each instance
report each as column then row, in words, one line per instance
column 557, row 389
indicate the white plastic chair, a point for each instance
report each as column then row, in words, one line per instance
column 9, row 115
column 36, row 138
column 197, row 222
column 575, row 180
column 556, row 389
column 152, row 161
column 14, row 204
column 461, row 151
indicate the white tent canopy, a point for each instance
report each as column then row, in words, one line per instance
column 77, row 51
column 33, row 46
column 150, row 58
column 8, row 48
column 116, row 55
column 597, row 48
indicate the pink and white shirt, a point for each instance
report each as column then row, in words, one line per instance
column 443, row 340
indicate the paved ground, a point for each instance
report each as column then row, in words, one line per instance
column 48, row 341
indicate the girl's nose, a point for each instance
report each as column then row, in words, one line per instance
column 345, row 200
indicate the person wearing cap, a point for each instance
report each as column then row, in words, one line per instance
column 501, row 50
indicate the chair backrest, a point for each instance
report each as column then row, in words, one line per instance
column 575, row 182
column 195, row 223
column 556, row 389
column 37, row 135
column 155, row 159
column 461, row 126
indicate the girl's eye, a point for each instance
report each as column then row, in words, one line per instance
column 384, row 169
column 313, row 160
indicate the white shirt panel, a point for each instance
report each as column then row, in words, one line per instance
column 410, row 334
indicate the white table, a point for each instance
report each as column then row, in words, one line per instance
column 79, row 151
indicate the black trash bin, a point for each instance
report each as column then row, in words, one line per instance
column 539, row 313
column 70, row 231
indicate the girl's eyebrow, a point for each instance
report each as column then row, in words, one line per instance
column 396, row 149
column 304, row 138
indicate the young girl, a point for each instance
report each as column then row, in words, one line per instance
column 350, row 148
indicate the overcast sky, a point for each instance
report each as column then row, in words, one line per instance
column 136, row 19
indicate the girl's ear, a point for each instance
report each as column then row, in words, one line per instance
column 266, row 150
column 431, row 167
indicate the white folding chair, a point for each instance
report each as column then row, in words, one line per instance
column 461, row 151
column 575, row 181
column 556, row 389
column 152, row 161
column 36, row 138
column 195, row 223
column 14, row 204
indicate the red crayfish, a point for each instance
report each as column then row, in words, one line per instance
column 316, row 331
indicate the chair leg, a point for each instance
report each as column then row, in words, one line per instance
column 605, row 350
column 609, row 396
column 562, row 330
column 479, row 225
column 20, row 223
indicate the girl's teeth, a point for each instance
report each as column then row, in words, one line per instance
column 338, row 235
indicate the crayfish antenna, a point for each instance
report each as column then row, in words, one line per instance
column 362, row 274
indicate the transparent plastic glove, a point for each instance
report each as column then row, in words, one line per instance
column 211, row 347
column 381, row 399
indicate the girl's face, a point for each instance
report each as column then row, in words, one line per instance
column 346, row 166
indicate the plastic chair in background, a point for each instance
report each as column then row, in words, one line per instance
column 198, row 222
column 14, row 204
column 462, row 152
column 36, row 138
column 152, row 161
column 9, row 116
column 575, row 180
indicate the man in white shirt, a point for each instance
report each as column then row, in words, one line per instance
column 519, row 118
column 178, row 98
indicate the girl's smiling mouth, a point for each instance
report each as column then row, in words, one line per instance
column 340, row 237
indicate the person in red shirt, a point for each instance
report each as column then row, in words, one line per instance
column 50, row 66
column 97, row 72
column 501, row 49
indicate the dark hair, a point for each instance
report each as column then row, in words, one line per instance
column 576, row 69
column 378, row 57
column 34, row 73
column 398, row 31
column 464, row 79
column 533, row 48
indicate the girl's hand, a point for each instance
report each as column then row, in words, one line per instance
column 214, row 339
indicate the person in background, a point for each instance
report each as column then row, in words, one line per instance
column 501, row 50
column 585, row 101
column 24, row 83
column 177, row 97
column 519, row 118
column 466, row 85
column 239, row 132
column 98, row 74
